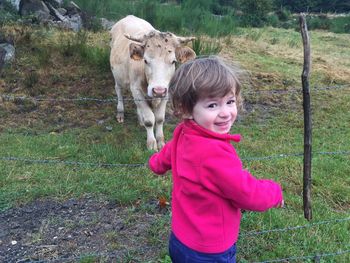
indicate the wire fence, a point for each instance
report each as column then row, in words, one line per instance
column 111, row 165
column 326, row 222
column 11, row 97
column 315, row 257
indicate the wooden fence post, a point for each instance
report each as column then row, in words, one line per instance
column 307, row 120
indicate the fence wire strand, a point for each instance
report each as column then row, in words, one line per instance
column 11, row 97
column 332, row 254
column 91, row 164
column 326, row 222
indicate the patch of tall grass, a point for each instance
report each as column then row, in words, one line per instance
column 77, row 45
column 205, row 47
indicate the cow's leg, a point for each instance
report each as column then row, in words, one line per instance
column 146, row 117
column 120, row 103
column 139, row 116
column 159, row 113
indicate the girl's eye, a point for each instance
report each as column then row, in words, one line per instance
column 212, row 105
column 231, row 102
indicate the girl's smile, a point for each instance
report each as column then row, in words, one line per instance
column 216, row 114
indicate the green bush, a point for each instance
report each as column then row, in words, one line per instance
column 193, row 18
column 169, row 18
column 340, row 25
column 272, row 20
column 147, row 10
column 283, row 14
column 317, row 22
column 255, row 13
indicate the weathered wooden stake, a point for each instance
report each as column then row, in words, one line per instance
column 307, row 120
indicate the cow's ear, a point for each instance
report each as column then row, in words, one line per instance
column 136, row 51
column 184, row 54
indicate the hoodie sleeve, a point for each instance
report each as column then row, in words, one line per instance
column 160, row 162
column 222, row 173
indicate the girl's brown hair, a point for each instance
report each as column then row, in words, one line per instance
column 203, row 78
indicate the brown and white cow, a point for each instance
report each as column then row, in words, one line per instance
column 143, row 59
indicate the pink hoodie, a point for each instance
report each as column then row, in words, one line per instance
column 210, row 187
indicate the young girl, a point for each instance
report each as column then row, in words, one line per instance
column 210, row 186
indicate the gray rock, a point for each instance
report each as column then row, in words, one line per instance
column 62, row 11
column 9, row 52
column 54, row 3
column 2, row 63
column 106, row 24
column 15, row 3
column 34, row 7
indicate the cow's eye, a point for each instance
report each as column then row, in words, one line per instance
column 146, row 62
column 174, row 61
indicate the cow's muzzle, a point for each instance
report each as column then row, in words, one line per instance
column 159, row 92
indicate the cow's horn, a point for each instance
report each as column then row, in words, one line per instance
column 184, row 40
column 140, row 40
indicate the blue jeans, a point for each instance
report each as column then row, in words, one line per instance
column 179, row 253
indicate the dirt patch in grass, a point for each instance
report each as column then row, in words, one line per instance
column 48, row 230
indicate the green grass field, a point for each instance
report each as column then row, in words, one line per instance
column 65, row 142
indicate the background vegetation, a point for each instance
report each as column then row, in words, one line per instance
column 221, row 17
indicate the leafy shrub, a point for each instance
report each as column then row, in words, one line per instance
column 317, row 22
column 283, row 14
column 169, row 18
column 255, row 13
column 340, row 25
column 147, row 10
column 193, row 18
column 272, row 20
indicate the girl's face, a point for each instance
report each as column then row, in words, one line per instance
column 216, row 114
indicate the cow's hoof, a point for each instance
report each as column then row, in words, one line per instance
column 152, row 145
column 120, row 117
